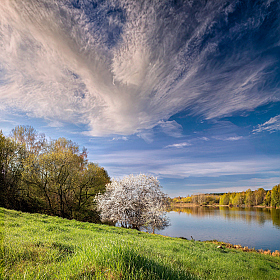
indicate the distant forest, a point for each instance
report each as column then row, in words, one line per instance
column 249, row 198
column 48, row 176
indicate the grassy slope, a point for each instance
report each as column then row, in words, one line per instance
column 35, row 246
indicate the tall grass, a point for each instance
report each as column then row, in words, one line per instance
column 37, row 246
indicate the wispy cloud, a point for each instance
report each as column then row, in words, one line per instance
column 147, row 135
column 241, row 185
column 121, row 67
column 171, row 163
column 179, row 145
column 230, row 138
column 234, row 138
column 123, row 138
column 205, row 138
column 214, row 169
column 272, row 125
column 171, row 128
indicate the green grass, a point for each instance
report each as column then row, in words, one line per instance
column 35, row 246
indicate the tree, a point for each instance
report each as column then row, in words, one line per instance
column 267, row 199
column 259, row 196
column 29, row 137
column 51, row 177
column 224, row 199
column 134, row 202
column 11, row 168
column 63, row 180
column 92, row 180
column 275, row 196
column 238, row 199
column 249, row 198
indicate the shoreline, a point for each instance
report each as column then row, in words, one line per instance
column 183, row 205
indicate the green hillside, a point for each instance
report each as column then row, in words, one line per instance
column 35, row 246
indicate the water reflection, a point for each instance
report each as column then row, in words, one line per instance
column 254, row 214
column 253, row 227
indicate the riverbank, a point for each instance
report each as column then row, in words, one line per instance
column 38, row 246
column 217, row 205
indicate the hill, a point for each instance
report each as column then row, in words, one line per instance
column 36, row 246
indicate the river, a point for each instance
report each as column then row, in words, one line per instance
column 257, row 228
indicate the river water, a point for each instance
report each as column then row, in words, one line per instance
column 257, row 228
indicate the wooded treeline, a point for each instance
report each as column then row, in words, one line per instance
column 198, row 199
column 259, row 197
column 48, row 176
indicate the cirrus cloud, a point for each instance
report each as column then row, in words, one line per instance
column 272, row 125
column 123, row 67
column 179, row 145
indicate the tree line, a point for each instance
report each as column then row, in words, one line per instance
column 54, row 177
column 198, row 199
column 48, row 176
column 259, row 197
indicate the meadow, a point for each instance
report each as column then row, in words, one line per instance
column 37, row 246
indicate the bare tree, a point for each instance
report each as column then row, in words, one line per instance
column 134, row 202
column 28, row 136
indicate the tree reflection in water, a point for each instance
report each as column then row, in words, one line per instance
column 253, row 214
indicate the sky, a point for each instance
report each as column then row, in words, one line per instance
column 187, row 91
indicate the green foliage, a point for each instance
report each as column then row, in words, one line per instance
column 51, row 177
column 201, row 199
column 225, row 199
column 238, row 199
column 267, row 199
column 248, row 198
column 275, row 196
column 43, row 247
column 11, row 157
column 259, row 196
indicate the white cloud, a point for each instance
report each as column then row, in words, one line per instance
column 171, row 128
column 171, row 163
column 234, row 138
column 213, row 169
column 123, row 67
column 241, row 185
column 147, row 135
column 230, row 138
column 124, row 138
column 272, row 125
column 179, row 145
column 54, row 123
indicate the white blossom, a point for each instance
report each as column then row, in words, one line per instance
column 135, row 201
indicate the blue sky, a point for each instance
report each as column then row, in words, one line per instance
column 188, row 91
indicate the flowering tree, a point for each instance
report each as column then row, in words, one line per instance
column 134, row 202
